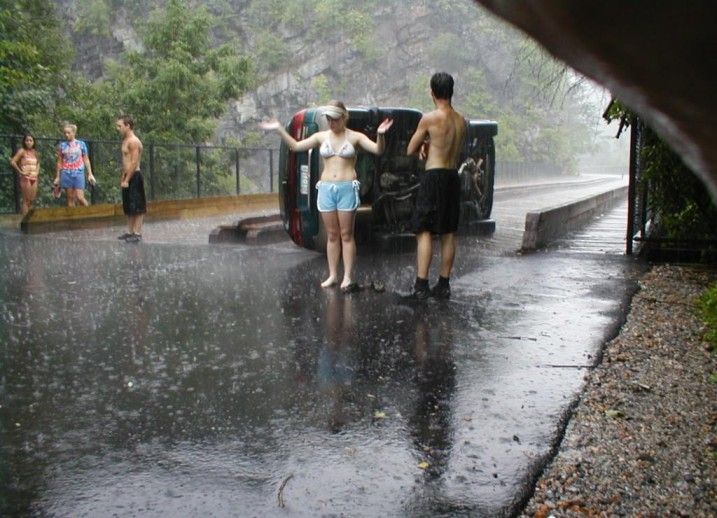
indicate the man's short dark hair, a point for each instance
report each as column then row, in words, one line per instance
column 127, row 120
column 442, row 85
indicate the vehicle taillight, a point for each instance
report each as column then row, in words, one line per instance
column 295, row 129
column 295, row 228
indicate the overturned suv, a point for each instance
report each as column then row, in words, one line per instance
column 388, row 182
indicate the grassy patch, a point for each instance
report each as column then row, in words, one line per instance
column 708, row 312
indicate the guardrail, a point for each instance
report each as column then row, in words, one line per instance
column 546, row 225
column 171, row 171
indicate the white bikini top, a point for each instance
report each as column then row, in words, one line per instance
column 345, row 151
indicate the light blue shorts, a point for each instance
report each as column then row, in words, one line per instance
column 72, row 180
column 343, row 196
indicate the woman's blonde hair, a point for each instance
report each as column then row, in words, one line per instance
column 341, row 106
column 69, row 125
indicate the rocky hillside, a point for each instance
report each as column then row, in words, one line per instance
column 403, row 36
column 371, row 52
column 394, row 71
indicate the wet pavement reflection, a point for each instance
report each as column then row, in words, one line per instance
column 196, row 380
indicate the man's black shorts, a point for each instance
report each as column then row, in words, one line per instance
column 437, row 202
column 133, row 199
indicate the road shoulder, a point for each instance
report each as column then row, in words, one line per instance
column 643, row 438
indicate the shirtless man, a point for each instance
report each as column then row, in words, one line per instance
column 134, row 202
column 438, row 139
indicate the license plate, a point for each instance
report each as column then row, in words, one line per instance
column 304, row 186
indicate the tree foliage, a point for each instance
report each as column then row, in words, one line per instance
column 187, row 65
column 679, row 200
column 178, row 84
column 33, row 61
column 310, row 20
column 539, row 103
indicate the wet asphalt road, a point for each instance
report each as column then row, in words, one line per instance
column 169, row 379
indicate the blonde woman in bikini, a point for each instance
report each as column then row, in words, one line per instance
column 27, row 165
column 338, row 188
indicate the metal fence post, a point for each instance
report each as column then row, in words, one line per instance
column 16, row 179
column 236, row 164
column 164, row 166
column 199, row 186
column 151, row 171
column 91, row 157
column 631, row 188
column 271, row 170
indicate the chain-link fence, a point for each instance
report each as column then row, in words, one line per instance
column 670, row 215
column 171, row 171
column 510, row 172
column 637, row 212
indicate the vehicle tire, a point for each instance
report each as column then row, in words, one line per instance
column 487, row 181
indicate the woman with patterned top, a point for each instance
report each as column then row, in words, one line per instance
column 27, row 165
column 72, row 163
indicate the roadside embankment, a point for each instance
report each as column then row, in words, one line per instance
column 546, row 225
column 643, row 438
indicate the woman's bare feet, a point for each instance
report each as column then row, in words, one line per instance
column 331, row 281
column 349, row 286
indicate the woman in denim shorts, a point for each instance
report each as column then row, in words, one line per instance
column 338, row 188
column 73, row 163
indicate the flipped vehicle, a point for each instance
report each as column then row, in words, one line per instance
column 389, row 182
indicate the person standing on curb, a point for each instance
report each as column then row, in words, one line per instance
column 134, row 202
column 72, row 163
column 27, row 164
column 438, row 139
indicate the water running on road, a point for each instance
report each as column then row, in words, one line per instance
column 182, row 380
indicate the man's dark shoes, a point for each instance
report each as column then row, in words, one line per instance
column 124, row 236
column 420, row 291
column 133, row 238
column 417, row 295
column 441, row 291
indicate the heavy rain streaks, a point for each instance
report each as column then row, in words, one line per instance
column 170, row 379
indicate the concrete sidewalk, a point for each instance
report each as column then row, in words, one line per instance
column 509, row 208
column 185, row 231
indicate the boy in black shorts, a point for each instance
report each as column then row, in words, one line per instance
column 438, row 139
column 134, row 202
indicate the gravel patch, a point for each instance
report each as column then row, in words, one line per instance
column 643, row 438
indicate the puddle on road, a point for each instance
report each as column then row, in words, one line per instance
column 176, row 380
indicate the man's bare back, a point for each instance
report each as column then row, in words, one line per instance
column 437, row 202
column 444, row 129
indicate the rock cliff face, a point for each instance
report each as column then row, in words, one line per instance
column 400, row 34
column 93, row 46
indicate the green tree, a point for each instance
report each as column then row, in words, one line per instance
column 501, row 75
column 33, row 60
column 271, row 51
column 678, row 200
column 95, row 18
column 178, row 84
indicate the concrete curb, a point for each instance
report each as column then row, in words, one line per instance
column 544, row 226
column 65, row 218
column 258, row 230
